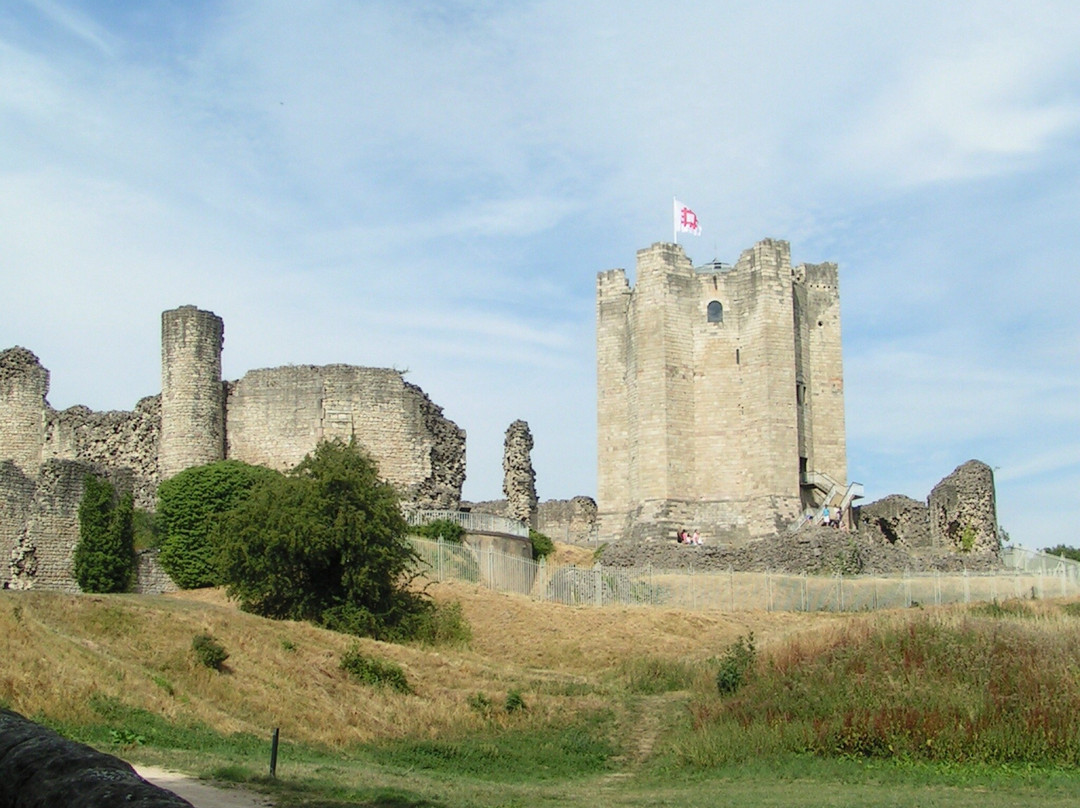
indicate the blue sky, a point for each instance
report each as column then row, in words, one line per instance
column 434, row 186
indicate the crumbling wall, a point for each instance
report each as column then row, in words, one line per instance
column 895, row 520
column 519, row 479
column 44, row 522
column 275, row 416
column 150, row 576
column 963, row 510
column 445, row 448
column 568, row 520
column 16, row 553
column 116, row 438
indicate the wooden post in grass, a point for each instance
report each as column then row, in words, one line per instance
column 273, row 753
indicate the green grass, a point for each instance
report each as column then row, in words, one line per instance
column 507, row 755
column 574, row 764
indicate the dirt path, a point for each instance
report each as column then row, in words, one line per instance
column 200, row 794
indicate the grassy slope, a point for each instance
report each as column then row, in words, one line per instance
column 82, row 662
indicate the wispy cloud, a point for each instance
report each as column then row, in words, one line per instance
column 435, row 187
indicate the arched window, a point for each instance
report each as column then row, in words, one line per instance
column 716, row 312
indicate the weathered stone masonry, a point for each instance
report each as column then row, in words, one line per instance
column 720, row 394
column 271, row 417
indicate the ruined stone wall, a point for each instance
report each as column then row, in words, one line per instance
column 16, row 496
column 519, row 479
column 568, row 520
column 895, row 520
column 123, row 439
column 41, row 516
column 192, row 397
column 276, row 416
column 712, row 384
column 963, row 510
column 150, row 576
column 959, row 517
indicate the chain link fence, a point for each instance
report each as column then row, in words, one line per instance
column 1027, row 574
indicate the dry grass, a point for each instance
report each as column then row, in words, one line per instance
column 58, row 652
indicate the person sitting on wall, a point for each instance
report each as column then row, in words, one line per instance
column 696, row 538
column 682, row 536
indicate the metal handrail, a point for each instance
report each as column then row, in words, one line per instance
column 472, row 522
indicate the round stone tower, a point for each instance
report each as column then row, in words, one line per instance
column 24, row 384
column 192, row 395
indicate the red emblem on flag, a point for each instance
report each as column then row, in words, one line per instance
column 686, row 221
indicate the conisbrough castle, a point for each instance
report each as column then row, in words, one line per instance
column 720, row 395
column 271, row 417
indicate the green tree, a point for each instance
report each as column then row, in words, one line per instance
column 1071, row 553
column 189, row 506
column 324, row 543
column 104, row 558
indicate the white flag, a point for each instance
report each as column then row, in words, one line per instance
column 686, row 220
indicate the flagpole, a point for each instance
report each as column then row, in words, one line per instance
column 674, row 221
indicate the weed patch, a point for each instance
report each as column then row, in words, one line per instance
column 372, row 671
column 736, row 664
column 1004, row 609
column 649, row 676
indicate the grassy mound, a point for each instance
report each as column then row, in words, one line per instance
column 990, row 684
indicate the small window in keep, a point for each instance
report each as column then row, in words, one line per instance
column 716, row 312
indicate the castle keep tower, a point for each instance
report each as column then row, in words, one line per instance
column 720, row 394
column 192, row 394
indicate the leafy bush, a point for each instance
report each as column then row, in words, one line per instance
column 541, row 545
column 372, row 671
column 104, row 559
column 445, row 529
column 735, row 665
column 189, row 508
column 441, row 624
column 324, row 543
column 208, row 651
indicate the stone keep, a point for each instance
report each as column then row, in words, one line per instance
column 720, row 394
